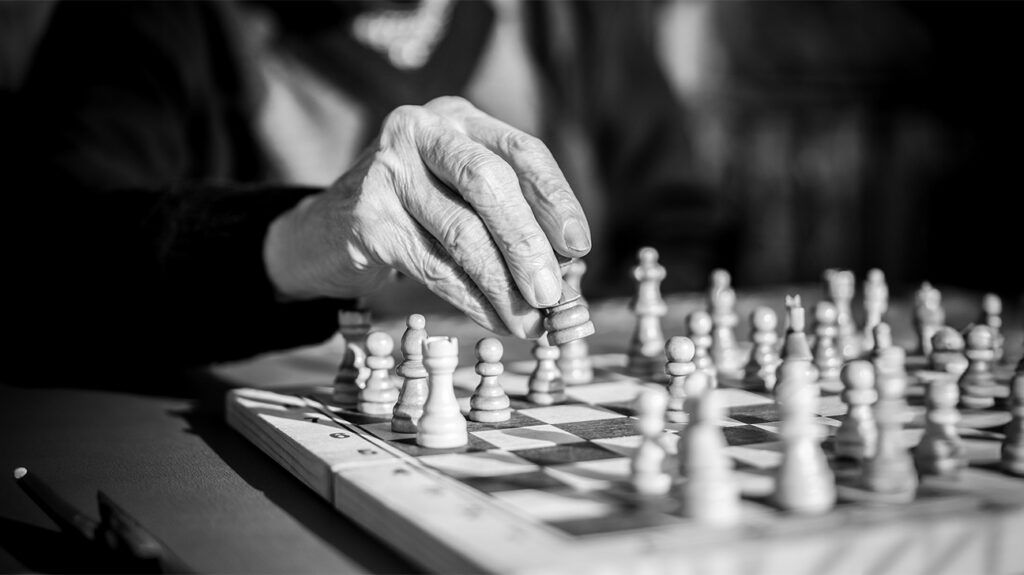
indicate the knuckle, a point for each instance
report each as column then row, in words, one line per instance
column 462, row 236
column 492, row 181
column 448, row 103
column 404, row 118
column 527, row 247
column 516, row 142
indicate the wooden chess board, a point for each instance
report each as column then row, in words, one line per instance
column 548, row 491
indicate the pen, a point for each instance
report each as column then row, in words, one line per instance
column 117, row 533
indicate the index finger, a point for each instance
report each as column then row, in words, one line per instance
column 491, row 187
column 543, row 183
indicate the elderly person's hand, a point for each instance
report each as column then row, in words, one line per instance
column 469, row 206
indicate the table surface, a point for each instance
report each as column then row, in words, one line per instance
column 165, row 455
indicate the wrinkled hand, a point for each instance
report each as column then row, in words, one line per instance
column 469, row 206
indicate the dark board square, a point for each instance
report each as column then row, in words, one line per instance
column 602, row 375
column 516, row 420
column 565, row 453
column 761, row 413
column 625, row 519
column 531, row 480
column 601, row 428
column 519, row 402
column 409, row 446
column 747, row 435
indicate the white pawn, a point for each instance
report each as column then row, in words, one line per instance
column 876, row 303
column 574, row 360
column 700, row 326
column 545, row 386
column 796, row 353
column 379, row 393
column 841, row 287
column 647, row 466
column 710, row 492
column 442, row 425
column 489, row 403
column 857, row 437
column 722, row 307
column 648, row 341
column 941, row 451
column 929, row 316
column 992, row 309
column 826, row 355
column 1013, row 446
column 764, row 357
column 947, row 351
column 409, row 407
column 680, row 351
column 891, row 471
column 804, row 482
column 978, row 385
column 353, row 325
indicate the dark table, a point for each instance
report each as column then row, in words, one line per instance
column 167, row 457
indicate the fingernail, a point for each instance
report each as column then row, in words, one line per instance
column 575, row 236
column 547, row 288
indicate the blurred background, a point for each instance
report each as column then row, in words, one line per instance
column 775, row 139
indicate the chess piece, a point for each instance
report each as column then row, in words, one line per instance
column 442, row 425
column 648, row 341
column 700, row 325
column 890, row 363
column 992, row 309
column 929, row 316
column 353, row 325
column 489, row 403
column 876, row 303
column 764, row 358
column 1013, row 446
column 680, row 352
column 725, row 352
column 826, row 355
column 569, row 319
column 890, row 472
column 647, row 466
column 977, row 383
column 941, row 451
column 574, row 357
column 796, row 353
column 841, row 286
column 804, row 482
column 545, row 386
column 409, row 408
column 379, row 394
column 857, row 437
column 947, row 351
column 710, row 493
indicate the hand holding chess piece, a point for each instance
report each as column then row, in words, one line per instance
column 471, row 207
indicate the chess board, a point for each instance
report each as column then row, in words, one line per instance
column 548, row 491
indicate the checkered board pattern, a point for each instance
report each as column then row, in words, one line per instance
column 549, row 489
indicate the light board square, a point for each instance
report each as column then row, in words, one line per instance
column 530, row 437
column 479, row 464
column 568, row 413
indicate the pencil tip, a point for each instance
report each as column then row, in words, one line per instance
column 20, row 472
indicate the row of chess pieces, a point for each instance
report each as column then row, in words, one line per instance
column 865, row 366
